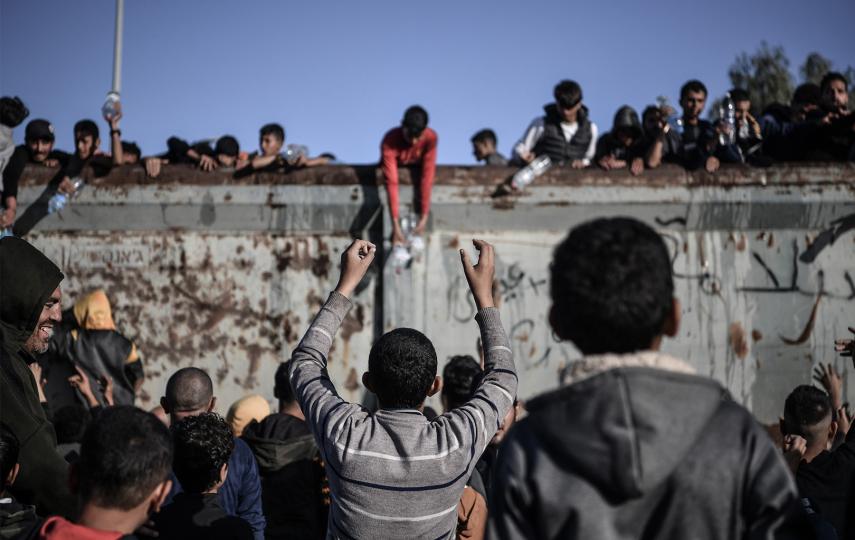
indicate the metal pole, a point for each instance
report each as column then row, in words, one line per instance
column 117, row 47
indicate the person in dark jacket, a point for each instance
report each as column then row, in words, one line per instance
column 15, row 518
column 636, row 445
column 622, row 147
column 203, row 445
column 294, row 492
column 30, row 298
column 696, row 146
column 225, row 153
column 564, row 133
column 190, row 391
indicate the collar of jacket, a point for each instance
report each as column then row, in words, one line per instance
column 590, row 366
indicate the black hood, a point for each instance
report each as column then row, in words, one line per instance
column 626, row 429
column 627, row 118
column 27, row 279
column 279, row 440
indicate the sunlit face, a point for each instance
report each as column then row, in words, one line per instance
column 270, row 144
column 51, row 314
column 39, row 149
column 86, row 146
column 693, row 104
column 835, row 95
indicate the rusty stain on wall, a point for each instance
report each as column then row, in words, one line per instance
column 737, row 340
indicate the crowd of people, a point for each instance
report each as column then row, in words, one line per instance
column 633, row 444
column 817, row 125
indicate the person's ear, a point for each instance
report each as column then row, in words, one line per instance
column 212, row 404
column 13, row 474
column 368, row 381
column 165, row 405
column 672, row 321
column 435, row 387
column 224, row 472
column 159, row 495
column 73, row 478
column 832, row 431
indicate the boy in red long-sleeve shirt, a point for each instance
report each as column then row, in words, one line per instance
column 410, row 144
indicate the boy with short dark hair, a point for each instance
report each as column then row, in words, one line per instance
column 634, row 435
column 484, row 148
column 394, row 472
column 121, row 479
column 15, row 518
column 271, row 139
column 203, row 445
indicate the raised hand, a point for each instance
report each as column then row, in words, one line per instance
column 81, row 382
column 831, row 381
column 354, row 263
column 846, row 347
column 480, row 276
column 794, row 450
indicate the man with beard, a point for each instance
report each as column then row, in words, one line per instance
column 29, row 308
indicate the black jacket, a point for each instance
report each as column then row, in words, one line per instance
column 639, row 452
column 199, row 516
column 292, row 479
column 16, row 519
column 609, row 145
column 27, row 279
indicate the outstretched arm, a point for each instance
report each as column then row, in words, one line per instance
column 312, row 386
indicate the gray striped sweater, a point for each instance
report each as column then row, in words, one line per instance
column 394, row 474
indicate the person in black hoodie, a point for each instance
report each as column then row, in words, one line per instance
column 30, row 298
column 622, row 147
column 636, row 445
column 294, row 495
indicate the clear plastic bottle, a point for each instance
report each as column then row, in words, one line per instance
column 727, row 115
column 294, row 151
column 59, row 200
column 675, row 123
column 108, row 109
column 527, row 174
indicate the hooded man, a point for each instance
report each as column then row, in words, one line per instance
column 29, row 308
column 622, row 147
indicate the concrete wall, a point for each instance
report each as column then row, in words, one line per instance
column 206, row 271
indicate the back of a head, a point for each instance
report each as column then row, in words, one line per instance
column 272, row 129
column 611, row 286
column 245, row 410
column 807, row 413
column 203, row 444
column 9, row 448
column 830, row 77
column 123, row 458
column 457, row 377
column 485, row 135
column 402, row 364
column 415, row 120
column 86, row 127
column 807, row 94
column 12, row 111
column 227, row 145
column 694, row 86
column 189, row 389
column 282, row 384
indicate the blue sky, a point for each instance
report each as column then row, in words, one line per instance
column 338, row 74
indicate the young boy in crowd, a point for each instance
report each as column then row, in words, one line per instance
column 634, row 435
column 294, row 491
column 15, row 518
column 121, row 479
column 203, row 445
column 394, row 470
column 271, row 139
column 225, row 153
column 484, row 148
column 564, row 133
column 411, row 144
column 696, row 145
column 622, row 146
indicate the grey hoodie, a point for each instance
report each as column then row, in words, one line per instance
column 639, row 452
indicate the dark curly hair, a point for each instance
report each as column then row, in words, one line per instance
column 203, row 444
column 457, row 377
column 805, row 409
column 612, row 288
column 403, row 365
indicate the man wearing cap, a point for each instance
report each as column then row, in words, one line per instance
column 38, row 150
column 29, row 308
column 411, row 144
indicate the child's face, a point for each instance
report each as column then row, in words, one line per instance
column 270, row 144
column 482, row 149
column 85, row 145
column 693, row 104
column 743, row 109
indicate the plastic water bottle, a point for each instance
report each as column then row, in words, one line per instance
column 527, row 174
column 675, row 123
column 110, row 105
column 727, row 114
column 59, row 200
column 294, row 151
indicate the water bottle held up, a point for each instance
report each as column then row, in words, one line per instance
column 59, row 200
column 527, row 174
column 110, row 106
column 727, row 115
column 675, row 123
